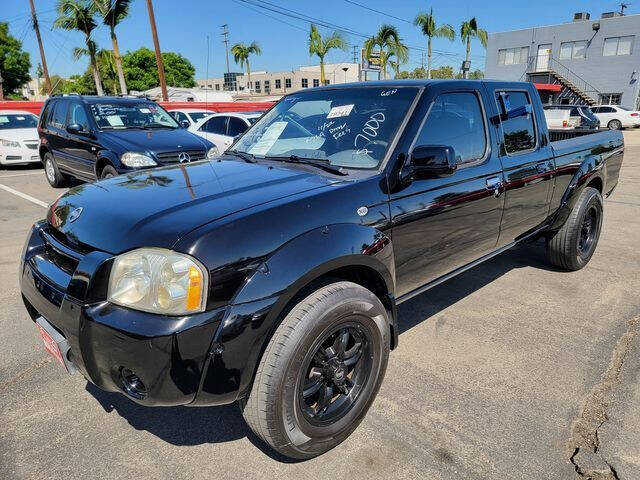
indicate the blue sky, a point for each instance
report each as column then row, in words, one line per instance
column 183, row 26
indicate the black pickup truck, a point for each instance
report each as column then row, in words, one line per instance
column 271, row 275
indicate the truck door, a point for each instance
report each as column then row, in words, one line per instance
column 79, row 149
column 440, row 224
column 527, row 160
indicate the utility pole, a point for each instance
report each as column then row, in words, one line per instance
column 225, row 40
column 45, row 70
column 355, row 54
column 156, row 44
column 622, row 7
column 422, row 61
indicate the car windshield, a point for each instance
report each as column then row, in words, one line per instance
column 195, row 116
column 347, row 127
column 131, row 115
column 19, row 120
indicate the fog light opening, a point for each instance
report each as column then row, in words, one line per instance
column 131, row 384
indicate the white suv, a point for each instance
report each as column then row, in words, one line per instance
column 616, row 117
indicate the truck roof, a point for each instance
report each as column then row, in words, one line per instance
column 418, row 83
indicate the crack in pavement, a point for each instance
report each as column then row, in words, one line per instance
column 34, row 366
column 584, row 442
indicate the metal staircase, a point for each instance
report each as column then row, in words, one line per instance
column 546, row 69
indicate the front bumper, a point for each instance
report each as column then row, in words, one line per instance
column 18, row 155
column 107, row 342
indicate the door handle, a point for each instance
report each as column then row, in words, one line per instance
column 495, row 184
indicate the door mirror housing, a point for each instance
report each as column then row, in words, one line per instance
column 75, row 128
column 432, row 161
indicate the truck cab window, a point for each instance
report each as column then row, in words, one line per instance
column 456, row 120
column 516, row 118
column 78, row 115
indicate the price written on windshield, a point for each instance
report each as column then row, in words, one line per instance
column 369, row 130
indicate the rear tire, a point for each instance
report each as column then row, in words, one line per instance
column 614, row 125
column 51, row 171
column 573, row 245
column 108, row 171
column 320, row 371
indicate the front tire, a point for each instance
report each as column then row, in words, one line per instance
column 320, row 371
column 51, row 171
column 108, row 172
column 614, row 125
column 573, row 245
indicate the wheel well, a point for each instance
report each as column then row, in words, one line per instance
column 42, row 152
column 102, row 162
column 596, row 183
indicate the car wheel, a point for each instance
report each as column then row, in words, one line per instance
column 54, row 177
column 320, row 371
column 573, row 245
column 614, row 125
column 108, row 171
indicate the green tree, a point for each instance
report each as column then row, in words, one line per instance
column 468, row 30
column 388, row 41
column 446, row 71
column 141, row 71
column 14, row 63
column 80, row 15
column 112, row 13
column 321, row 46
column 108, row 69
column 427, row 24
column 241, row 54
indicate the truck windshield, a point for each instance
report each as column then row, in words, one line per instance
column 346, row 127
column 131, row 115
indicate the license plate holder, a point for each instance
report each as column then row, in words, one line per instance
column 55, row 344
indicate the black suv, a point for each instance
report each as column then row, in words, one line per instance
column 90, row 138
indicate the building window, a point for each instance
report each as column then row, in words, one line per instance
column 267, row 86
column 305, row 83
column 258, row 90
column 327, row 82
column 513, row 56
column 278, row 84
column 316, row 82
column 217, row 87
column 610, row 98
column 618, row 46
column 287, row 83
column 573, row 49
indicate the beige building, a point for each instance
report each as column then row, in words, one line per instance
column 280, row 83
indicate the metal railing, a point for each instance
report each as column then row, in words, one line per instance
column 540, row 64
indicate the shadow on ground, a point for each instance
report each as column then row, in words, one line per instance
column 200, row 425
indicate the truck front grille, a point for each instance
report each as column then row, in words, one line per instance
column 174, row 157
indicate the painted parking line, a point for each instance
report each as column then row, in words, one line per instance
column 24, row 195
column 20, row 174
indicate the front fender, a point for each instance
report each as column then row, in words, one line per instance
column 260, row 304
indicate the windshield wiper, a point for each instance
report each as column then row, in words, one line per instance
column 155, row 125
column 323, row 164
column 246, row 156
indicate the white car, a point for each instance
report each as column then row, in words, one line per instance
column 190, row 115
column 222, row 128
column 19, row 140
column 616, row 117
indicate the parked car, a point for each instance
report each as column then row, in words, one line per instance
column 18, row 138
column 188, row 116
column 616, row 117
column 89, row 138
column 222, row 128
column 580, row 116
column 271, row 276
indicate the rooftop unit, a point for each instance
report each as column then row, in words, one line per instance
column 611, row 14
column 581, row 16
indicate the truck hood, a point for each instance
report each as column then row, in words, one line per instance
column 156, row 207
column 163, row 140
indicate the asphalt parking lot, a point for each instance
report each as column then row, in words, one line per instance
column 511, row 370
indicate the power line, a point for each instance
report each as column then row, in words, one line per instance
column 378, row 11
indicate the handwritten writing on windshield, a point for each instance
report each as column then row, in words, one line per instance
column 370, row 130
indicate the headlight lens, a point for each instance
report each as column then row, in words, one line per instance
column 213, row 152
column 133, row 159
column 159, row 281
column 9, row 143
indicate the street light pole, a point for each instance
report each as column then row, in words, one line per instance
column 156, row 44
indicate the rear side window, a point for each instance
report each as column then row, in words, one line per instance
column 456, row 120
column 59, row 115
column 46, row 111
column 236, row 127
column 516, row 117
column 215, row 125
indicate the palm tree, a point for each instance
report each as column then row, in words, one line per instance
column 427, row 24
column 79, row 15
column 468, row 30
column 241, row 53
column 400, row 52
column 113, row 12
column 389, row 43
column 320, row 46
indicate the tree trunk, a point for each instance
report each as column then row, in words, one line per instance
column 465, row 72
column 428, row 58
column 249, row 75
column 94, row 68
column 118, row 59
column 322, row 78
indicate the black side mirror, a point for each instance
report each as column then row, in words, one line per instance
column 431, row 162
column 185, row 123
column 75, row 128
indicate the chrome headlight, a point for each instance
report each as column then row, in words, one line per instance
column 133, row 159
column 9, row 143
column 213, row 152
column 158, row 281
